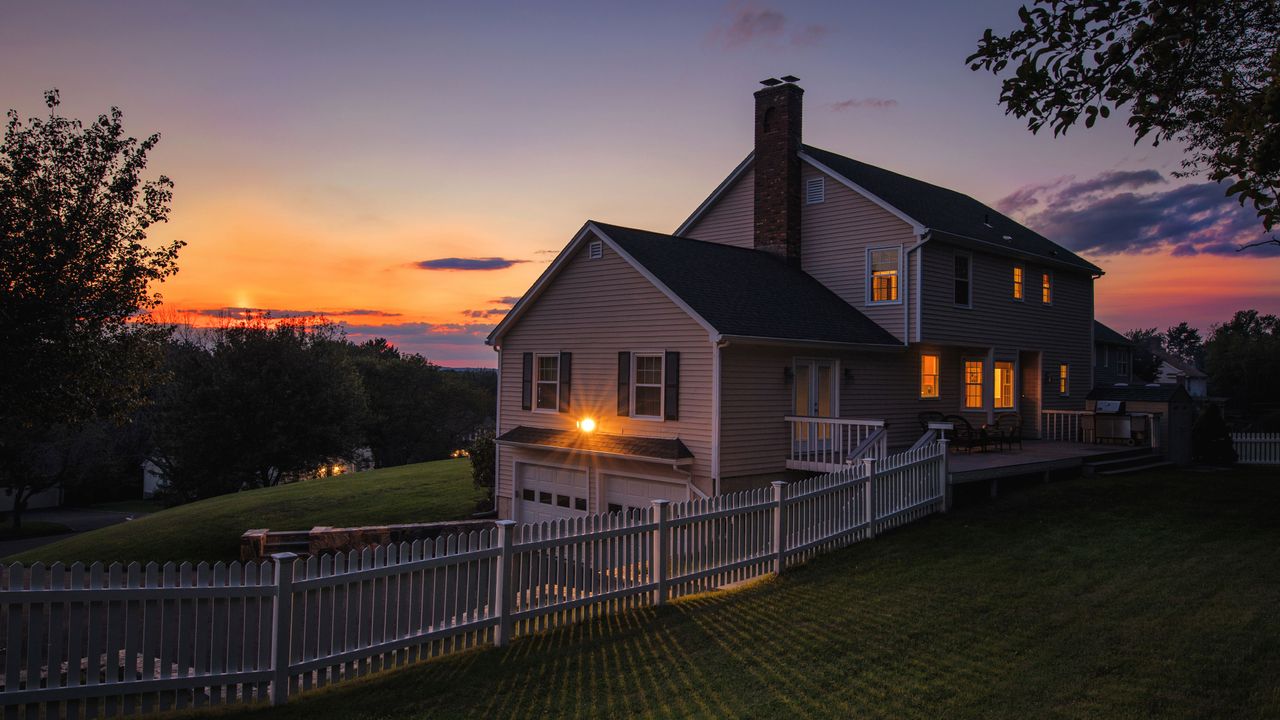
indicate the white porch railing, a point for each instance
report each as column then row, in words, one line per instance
column 824, row 444
column 1257, row 448
column 1066, row 425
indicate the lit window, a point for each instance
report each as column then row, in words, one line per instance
column 963, row 280
column 884, row 274
column 1064, row 379
column 1017, row 282
column 1046, row 288
column 928, row 376
column 548, row 382
column 647, row 385
column 1004, row 385
column 973, row 383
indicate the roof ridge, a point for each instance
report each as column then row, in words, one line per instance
column 712, row 243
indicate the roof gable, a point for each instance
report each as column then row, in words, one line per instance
column 1104, row 334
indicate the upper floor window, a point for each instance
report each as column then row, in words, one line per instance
column 1064, row 379
column 963, row 280
column 646, row 387
column 929, row 376
column 973, row 384
column 1017, row 282
column 548, row 381
column 1046, row 288
column 1004, row 385
column 884, row 265
column 1122, row 362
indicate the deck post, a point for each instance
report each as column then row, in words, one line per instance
column 281, row 623
column 869, row 495
column 779, row 527
column 944, row 489
column 502, row 586
column 658, row 565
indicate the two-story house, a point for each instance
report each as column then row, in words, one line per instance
column 810, row 304
column 1112, row 356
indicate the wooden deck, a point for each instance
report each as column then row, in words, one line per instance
column 1036, row 456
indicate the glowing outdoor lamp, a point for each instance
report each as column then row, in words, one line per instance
column 587, row 424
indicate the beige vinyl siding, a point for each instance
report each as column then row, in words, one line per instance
column 834, row 238
column 595, row 309
column 1062, row 331
column 731, row 220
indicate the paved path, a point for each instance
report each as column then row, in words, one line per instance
column 78, row 519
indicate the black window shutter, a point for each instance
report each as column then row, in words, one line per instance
column 526, row 383
column 672, row 390
column 624, row 383
column 566, row 378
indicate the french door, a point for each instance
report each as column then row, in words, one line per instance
column 816, row 393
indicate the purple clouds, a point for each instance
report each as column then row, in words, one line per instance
column 750, row 25
column 488, row 263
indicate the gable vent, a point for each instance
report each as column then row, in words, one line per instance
column 595, row 250
column 815, row 190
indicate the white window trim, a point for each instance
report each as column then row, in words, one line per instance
column 1013, row 386
column 662, row 385
column 1052, row 290
column 982, row 384
column 1015, row 285
column 870, row 292
column 969, row 305
column 536, row 367
column 937, row 383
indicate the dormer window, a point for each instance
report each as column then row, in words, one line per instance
column 884, row 265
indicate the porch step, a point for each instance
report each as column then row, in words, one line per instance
column 1124, row 462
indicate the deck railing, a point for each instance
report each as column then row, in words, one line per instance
column 101, row 641
column 824, row 444
column 1066, row 425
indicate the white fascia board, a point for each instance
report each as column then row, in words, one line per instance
column 916, row 226
column 715, row 195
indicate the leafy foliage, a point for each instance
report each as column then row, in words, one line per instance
column 484, row 456
column 1241, row 358
column 1145, row 364
column 1206, row 74
column 1185, row 342
column 75, row 273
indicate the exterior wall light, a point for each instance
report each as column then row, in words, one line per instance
column 587, row 425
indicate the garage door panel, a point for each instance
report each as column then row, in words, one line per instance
column 547, row 492
column 626, row 493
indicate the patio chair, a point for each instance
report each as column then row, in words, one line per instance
column 965, row 435
column 1008, row 429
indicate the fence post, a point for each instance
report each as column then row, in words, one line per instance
column 779, row 527
column 944, row 490
column 281, row 622
column 659, row 563
column 502, row 584
column 869, row 495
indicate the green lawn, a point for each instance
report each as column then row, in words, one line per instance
column 133, row 507
column 1152, row 595
column 211, row 529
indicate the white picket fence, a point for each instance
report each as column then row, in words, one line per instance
column 100, row 642
column 1257, row 448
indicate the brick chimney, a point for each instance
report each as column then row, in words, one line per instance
column 777, row 169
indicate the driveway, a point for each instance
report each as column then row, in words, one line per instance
column 78, row 519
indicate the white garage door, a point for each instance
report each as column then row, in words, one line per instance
column 550, row 493
column 628, row 493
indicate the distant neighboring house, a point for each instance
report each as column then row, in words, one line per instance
column 1112, row 356
column 810, row 305
column 153, row 480
column 1174, row 370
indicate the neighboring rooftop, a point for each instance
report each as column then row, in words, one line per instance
column 948, row 212
column 1182, row 366
column 666, row 449
column 747, row 293
column 1104, row 334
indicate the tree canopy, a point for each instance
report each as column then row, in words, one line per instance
column 1206, row 74
column 75, row 274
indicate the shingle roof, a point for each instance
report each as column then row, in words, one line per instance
column 670, row 449
column 1104, row 334
column 745, row 292
column 947, row 211
column 1179, row 364
column 1137, row 393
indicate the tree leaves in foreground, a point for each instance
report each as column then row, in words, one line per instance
column 75, row 272
column 1206, row 74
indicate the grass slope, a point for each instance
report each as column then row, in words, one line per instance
column 211, row 529
column 1151, row 595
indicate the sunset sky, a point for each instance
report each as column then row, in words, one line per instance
column 409, row 168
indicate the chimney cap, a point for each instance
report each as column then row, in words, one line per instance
column 790, row 78
column 771, row 82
